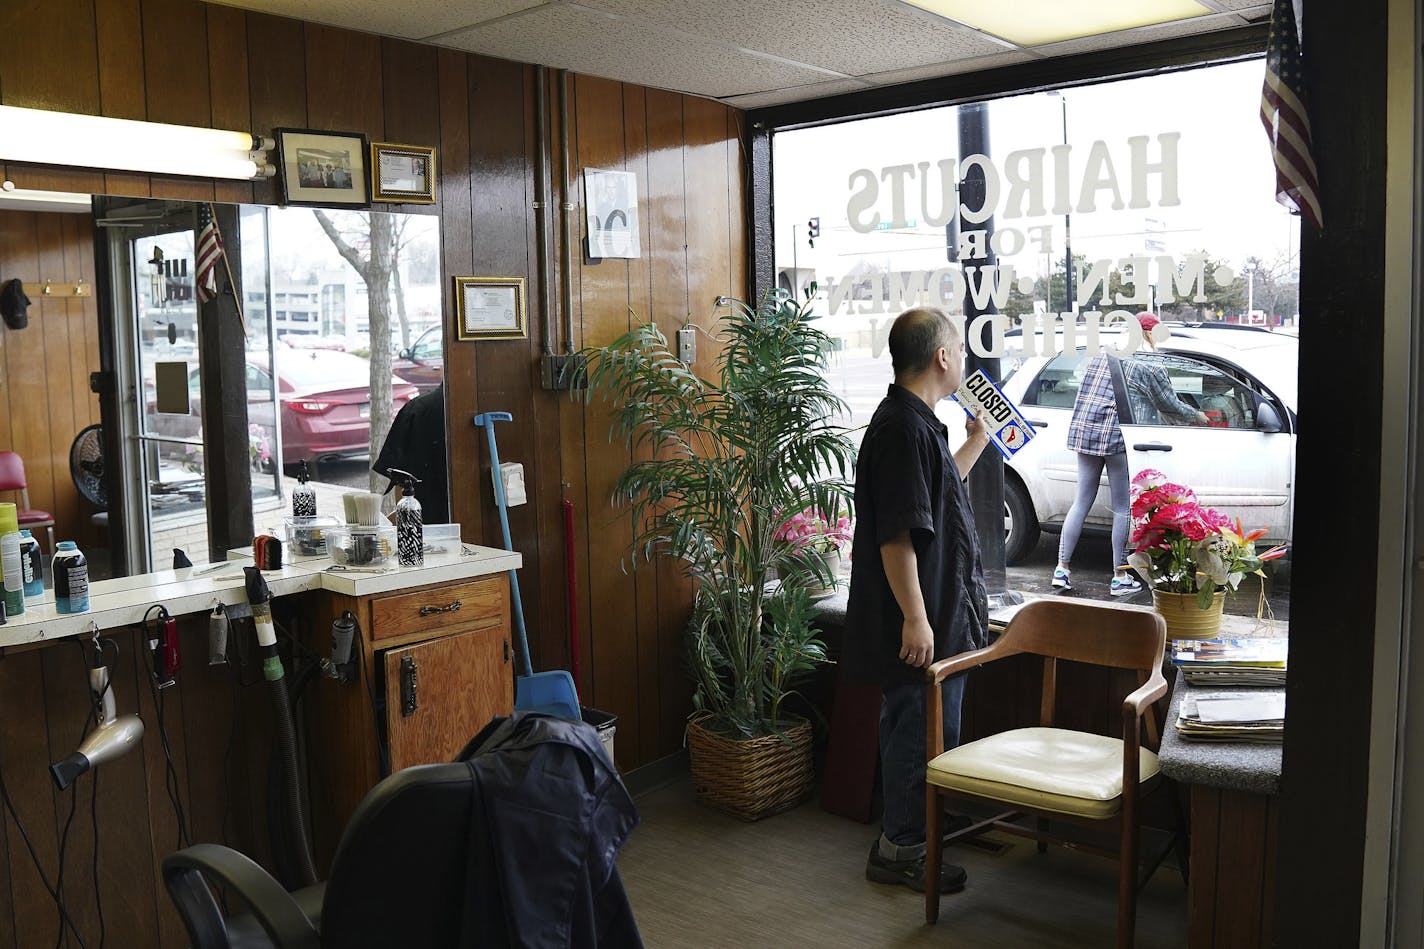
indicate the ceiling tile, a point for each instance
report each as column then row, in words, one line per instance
column 413, row 19
column 617, row 47
column 848, row 36
column 1144, row 34
column 936, row 70
column 816, row 90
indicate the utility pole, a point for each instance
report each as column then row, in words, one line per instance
column 986, row 478
column 1067, row 228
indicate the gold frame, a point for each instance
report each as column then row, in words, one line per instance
column 518, row 329
column 396, row 195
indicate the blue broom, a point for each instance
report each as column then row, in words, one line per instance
column 551, row 692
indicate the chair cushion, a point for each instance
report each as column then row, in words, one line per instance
column 1051, row 769
column 34, row 517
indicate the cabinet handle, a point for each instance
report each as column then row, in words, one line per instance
column 432, row 610
column 506, row 642
column 409, row 680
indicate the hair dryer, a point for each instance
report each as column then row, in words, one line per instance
column 112, row 738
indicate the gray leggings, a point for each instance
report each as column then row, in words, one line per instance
column 1090, row 470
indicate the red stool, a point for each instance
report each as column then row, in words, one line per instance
column 12, row 478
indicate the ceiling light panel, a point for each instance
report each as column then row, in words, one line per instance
column 1039, row 22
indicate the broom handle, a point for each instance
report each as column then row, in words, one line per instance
column 486, row 421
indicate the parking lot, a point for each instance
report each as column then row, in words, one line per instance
column 1092, row 571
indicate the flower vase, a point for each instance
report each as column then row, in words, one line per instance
column 832, row 561
column 1187, row 620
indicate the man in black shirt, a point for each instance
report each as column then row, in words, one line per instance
column 917, row 590
column 416, row 444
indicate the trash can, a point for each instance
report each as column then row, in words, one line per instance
column 606, row 725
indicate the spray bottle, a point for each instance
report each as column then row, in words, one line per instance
column 303, row 495
column 10, row 561
column 410, row 535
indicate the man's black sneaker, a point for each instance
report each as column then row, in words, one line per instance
column 911, row 873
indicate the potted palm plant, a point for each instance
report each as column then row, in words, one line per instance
column 724, row 459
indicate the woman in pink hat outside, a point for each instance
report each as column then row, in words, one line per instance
column 1095, row 434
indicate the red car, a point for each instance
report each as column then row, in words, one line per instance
column 326, row 402
column 423, row 364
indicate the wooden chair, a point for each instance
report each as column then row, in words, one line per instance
column 12, row 478
column 1068, row 775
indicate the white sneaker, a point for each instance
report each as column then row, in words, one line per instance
column 1124, row 585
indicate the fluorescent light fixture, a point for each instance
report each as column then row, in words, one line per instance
column 23, row 199
column 1039, row 22
column 94, row 141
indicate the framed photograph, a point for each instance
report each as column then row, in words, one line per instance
column 323, row 169
column 403, row 173
column 490, row 308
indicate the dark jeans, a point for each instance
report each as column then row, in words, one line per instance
column 903, row 756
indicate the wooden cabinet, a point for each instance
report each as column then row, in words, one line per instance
column 441, row 692
column 450, row 646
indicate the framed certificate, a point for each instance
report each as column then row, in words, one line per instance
column 402, row 173
column 490, row 308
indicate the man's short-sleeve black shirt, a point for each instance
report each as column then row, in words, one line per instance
column 906, row 479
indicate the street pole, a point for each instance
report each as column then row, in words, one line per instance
column 1067, row 228
column 795, row 270
column 986, row 478
column 1250, row 294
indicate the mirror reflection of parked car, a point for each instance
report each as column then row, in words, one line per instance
column 423, row 363
column 1242, row 462
column 325, row 399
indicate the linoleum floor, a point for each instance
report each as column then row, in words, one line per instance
column 696, row 878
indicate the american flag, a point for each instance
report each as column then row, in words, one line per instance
column 210, row 251
column 1283, row 113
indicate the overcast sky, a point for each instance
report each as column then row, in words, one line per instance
column 1225, row 177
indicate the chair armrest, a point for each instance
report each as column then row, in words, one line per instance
column 1138, row 702
column 960, row 662
column 185, row 873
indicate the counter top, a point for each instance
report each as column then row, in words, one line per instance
column 123, row 600
column 1233, row 766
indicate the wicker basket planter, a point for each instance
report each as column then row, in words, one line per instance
column 1185, row 619
column 750, row 778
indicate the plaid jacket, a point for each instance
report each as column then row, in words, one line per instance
column 1094, row 428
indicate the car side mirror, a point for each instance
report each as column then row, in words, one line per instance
column 403, row 354
column 1268, row 420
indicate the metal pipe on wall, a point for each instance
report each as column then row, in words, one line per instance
column 567, row 207
column 541, row 205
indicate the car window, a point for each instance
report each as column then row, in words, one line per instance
column 1227, row 401
column 1057, row 385
column 323, row 367
column 257, row 380
column 427, row 347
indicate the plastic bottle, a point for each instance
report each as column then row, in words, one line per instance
column 11, row 562
column 71, row 579
column 31, row 565
column 303, row 495
column 410, row 532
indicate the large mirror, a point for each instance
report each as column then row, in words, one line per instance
column 343, row 338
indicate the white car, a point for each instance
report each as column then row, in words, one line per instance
column 1242, row 463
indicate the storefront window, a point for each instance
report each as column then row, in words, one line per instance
column 1098, row 203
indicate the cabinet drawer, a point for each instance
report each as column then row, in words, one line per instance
column 440, row 607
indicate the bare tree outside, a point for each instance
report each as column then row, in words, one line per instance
column 367, row 243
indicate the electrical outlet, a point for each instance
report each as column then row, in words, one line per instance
column 687, row 345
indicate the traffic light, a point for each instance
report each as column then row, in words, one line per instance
column 813, row 231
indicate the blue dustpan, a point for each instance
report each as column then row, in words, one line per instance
column 553, row 692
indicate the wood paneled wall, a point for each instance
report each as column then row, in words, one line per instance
column 44, row 368
column 191, row 63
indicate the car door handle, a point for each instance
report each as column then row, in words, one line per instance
column 1037, row 424
column 1151, row 446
